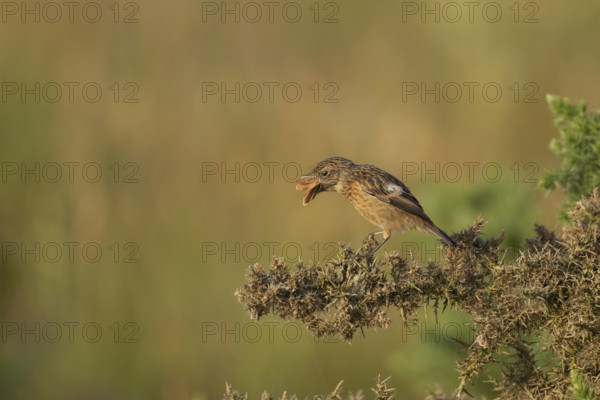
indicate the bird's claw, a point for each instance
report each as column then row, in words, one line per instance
column 368, row 247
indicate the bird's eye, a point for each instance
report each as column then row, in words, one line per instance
column 324, row 173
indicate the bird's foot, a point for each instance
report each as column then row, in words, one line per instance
column 368, row 247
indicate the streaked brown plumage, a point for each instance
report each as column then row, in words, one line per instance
column 377, row 195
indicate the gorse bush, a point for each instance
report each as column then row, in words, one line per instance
column 545, row 304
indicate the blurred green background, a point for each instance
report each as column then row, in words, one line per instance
column 196, row 185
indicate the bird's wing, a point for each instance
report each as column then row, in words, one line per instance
column 389, row 189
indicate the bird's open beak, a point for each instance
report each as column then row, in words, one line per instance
column 310, row 183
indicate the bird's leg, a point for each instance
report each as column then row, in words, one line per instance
column 369, row 236
column 385, row 239
column 386, row 236
column 372, row 236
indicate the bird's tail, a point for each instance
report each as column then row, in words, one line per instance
column 441, row 234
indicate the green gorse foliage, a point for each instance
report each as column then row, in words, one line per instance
column 546, row 302
column 578, row 147
column 579, row 389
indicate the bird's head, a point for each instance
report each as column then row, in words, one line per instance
column 328, row 175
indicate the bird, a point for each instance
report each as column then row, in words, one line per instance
column 377, row 195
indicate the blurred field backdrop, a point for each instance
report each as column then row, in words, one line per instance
column 153, row 316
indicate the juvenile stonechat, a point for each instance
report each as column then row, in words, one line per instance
column 377, row 195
